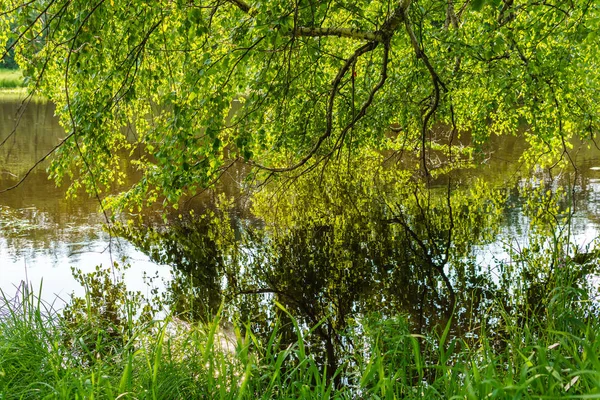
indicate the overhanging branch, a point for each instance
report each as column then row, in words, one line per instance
column 242, row 5
column 383, row 35
column 387, row 29
column 329, row 116
column 339, row 32
column 437, row 83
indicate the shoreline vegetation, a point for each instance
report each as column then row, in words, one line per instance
column 11, row 80
column 343, row 262
column 103, row 346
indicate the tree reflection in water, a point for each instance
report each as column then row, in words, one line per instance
column 351, row 251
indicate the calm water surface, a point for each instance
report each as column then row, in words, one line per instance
column 43, row 235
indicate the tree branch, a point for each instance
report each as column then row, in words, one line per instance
column 38, row 162
column 367, row 103
column 394, row 20
column 349, row 33
column 242, row 5
column 383, row 35
column 8, row 12
column 437, row 83
column 332, row 94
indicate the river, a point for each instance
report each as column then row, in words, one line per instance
column 43, row 235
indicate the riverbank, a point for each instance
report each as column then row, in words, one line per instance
column 11, row 79
column 96, row 348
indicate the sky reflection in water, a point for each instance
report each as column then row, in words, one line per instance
column 43, row 235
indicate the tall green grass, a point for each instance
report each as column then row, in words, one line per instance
column 44, row 355
column 11, row 79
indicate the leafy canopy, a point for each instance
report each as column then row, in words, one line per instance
column 189, row 87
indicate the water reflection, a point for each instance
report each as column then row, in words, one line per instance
column 42, row 234
column 332, row 248
column 336, row 247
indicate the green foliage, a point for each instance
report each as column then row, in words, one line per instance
column 359, row 278
column 8, row 61
column 555, row 357
column 101, row 324
column 162, row 77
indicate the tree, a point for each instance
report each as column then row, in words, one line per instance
column 308, row 81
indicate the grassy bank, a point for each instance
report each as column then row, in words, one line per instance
column 11, row 79
column 88, row 352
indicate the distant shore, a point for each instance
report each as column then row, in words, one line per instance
column 11, row 79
